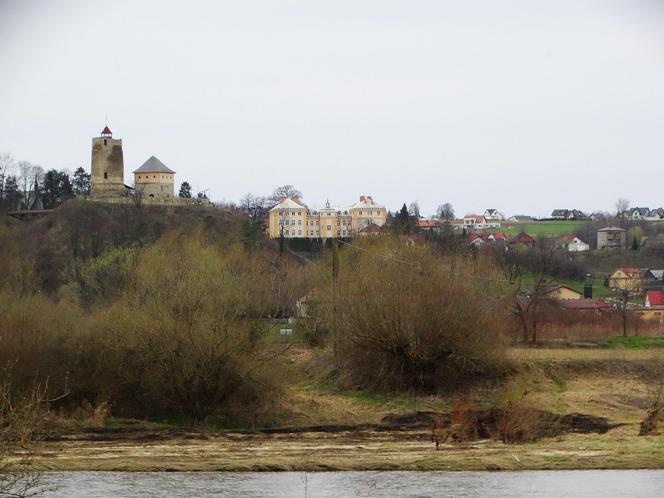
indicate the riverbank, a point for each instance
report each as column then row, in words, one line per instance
column 346, row 430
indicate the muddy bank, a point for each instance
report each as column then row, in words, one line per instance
column 551, row 425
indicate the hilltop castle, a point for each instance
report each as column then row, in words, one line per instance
column 153, row 181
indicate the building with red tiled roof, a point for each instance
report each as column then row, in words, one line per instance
column 524, row 239
column 654, row 298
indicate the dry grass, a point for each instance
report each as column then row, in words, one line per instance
column 624, row 400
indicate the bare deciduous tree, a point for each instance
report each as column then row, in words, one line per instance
column 288, row 191
column 621, row 206
column 255, row 206
column 445, row 211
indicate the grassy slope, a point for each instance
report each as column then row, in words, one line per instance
column 548, row 228
column 599, row 291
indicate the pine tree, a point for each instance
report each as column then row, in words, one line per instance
column 185, row 190
column 81, row 182
column 56, row 189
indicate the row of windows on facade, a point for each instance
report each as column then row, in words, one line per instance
column 311, row 232
column 315, row 213
column 155, row 176
column 311, row 222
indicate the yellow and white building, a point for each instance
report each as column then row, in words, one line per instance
column 293, row 219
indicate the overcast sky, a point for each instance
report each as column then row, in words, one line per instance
column 519, row 105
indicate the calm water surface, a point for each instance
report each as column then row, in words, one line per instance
column 582, row 483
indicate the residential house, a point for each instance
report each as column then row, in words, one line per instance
column 655, row 299
column 635, row 213
column 557, row 291
column 303, row 305
column 628, row 278
column 654, row 306
column 655, row 275
column 493, row 215
column 574, row 244
column 611, row 238
column 656, row 214
column 475, row 240
column 560, row 214
column 476, row 222
column 520, row 218
column 370, row 229
column 524, row 239
column 568, row 214
column 496, row 237
column 427, row 225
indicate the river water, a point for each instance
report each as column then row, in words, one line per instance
column 580, row 483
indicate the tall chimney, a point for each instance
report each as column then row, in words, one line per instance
column 282, row 199
column 362, row 198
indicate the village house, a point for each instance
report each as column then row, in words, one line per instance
column 478, row 240
column 574, row 244
column 477, row 222
column 568, row 214
column 557, row 291
column 524, row 239
column 655, row 299
column 520, row 218
column 290, row 218
column 632, row 279
column 370, row 229
column 493, row 215
column 424, row 225
column 611, row 238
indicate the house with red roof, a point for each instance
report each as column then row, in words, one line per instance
column 628, row 278
column 655, row 299
column 477, row 222
column 427, row 225
column 574, row 244
column 524, row 239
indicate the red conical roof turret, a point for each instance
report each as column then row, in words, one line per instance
column 106, row 132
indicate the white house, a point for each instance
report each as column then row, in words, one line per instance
column 493, row 215
column 475, row 222
column 575, row 244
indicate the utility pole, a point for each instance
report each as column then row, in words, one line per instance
column 336, row 336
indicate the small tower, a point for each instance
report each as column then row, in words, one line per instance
column 107, row 170
column 155, row 179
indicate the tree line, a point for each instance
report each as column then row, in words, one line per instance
column 24, row 185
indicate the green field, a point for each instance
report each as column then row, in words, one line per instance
column 536, row 228
column 634, row 342
column 599, row 291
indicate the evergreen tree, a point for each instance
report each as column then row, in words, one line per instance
column 56, row 189
column 81, row 182
column 11, row 193
column 404, row 222
column 185, row 190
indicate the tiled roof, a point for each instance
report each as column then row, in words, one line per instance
column 584, row 304
column 154, row 165
column 655, row 298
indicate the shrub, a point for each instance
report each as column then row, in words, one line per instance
column 408, row 319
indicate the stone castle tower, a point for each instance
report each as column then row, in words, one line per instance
column 107, row 171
